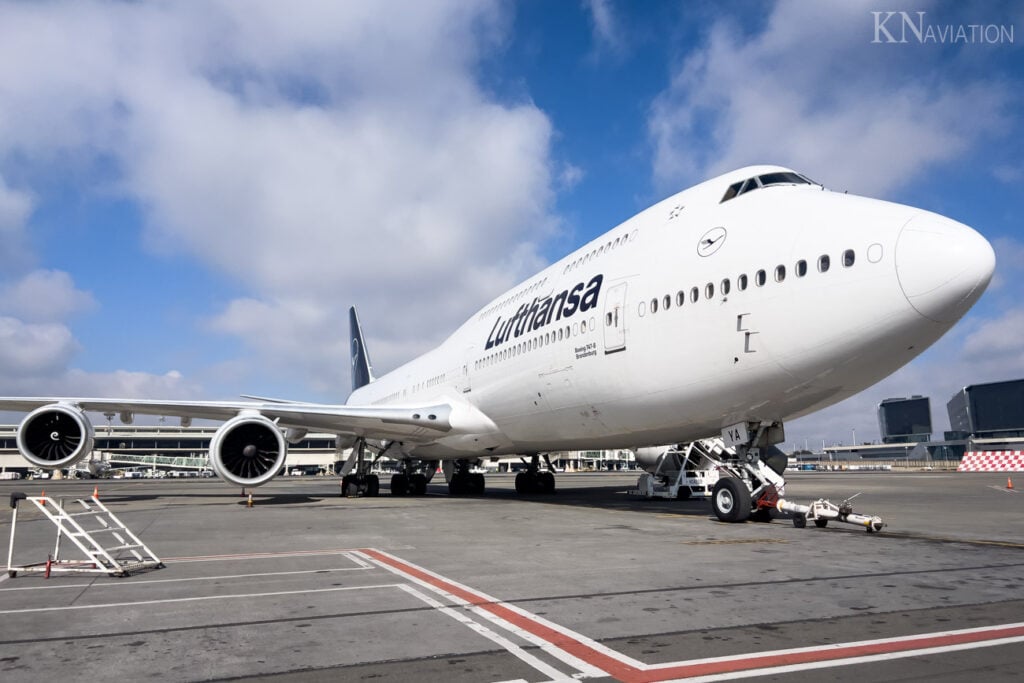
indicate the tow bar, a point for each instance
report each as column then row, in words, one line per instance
column 821, row 511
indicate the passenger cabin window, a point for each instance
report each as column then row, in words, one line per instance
column 780, row 273
column 823, row 263
column 760, row 278
column 725, row 287
column 666, row 302
column 801, row 268
column 694, row 295
column 654, row 305
column 680, row 298
column 848, row 258
column 741, row 282
column 709, row 291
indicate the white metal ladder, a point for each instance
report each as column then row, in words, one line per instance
column 108, row 545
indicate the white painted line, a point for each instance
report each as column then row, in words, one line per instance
column 259, row 556
column 482, row 630
column 584, row 667
column 826, row 664
column 196, row 599
column 121, row 584
column 569, row 646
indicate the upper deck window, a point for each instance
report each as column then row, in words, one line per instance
column 776, row 178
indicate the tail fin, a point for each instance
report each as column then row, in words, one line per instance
column 362, row 371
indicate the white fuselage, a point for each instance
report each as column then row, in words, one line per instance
column 695, row 314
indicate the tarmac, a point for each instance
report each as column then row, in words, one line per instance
column 589, row 583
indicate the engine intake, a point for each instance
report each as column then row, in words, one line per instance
column 55, row 436
column 248, row 450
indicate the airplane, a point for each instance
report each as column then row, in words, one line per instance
column 729, row 308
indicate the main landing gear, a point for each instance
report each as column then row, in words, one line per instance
column 356, row 479
column 413, row 478
column 462, row 481
column 751, row 481
column 533, row 480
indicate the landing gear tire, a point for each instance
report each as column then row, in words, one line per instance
column 730, row 500
column 467, row 485
column 535, row 483
column 399, row 485
column 418, row 485
column 351, row 485
column 821, row 523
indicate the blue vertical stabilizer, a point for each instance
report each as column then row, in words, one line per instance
column 362, row 371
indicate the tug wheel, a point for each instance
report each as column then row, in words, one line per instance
column 821, row 523
column 730, row 500
column 799, row 521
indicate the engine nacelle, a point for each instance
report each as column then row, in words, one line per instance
column 55, row 436
column 248, row 450
column 649, row 458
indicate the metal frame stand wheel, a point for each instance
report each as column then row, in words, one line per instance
column 730, row 500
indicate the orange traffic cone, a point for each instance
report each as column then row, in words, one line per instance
column 1009, row 483
column 96, row 492
column 42, row 496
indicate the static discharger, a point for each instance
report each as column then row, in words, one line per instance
column 822, row 511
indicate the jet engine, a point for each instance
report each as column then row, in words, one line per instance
column 248, row 450
column 55, row 436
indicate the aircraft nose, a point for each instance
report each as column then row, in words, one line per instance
column 943, row 266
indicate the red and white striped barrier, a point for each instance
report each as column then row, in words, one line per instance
column 992, row 461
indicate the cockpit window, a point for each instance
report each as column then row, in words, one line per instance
column 782, row 178
column 776, row 178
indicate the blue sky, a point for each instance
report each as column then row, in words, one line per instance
column 191, row 196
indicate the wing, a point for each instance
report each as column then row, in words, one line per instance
column 410, row 423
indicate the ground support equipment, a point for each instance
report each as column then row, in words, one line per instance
column 822, row 511
column 684, row 471
column 108, row 545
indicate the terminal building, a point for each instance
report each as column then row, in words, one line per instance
column 988, row 411
column 905, row 420
column 982, row 417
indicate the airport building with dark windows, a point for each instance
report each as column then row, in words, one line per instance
column 988, row 411
column 905, row 420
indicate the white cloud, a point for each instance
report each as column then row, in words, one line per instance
column 15, row 208
column 31, row 350
column 810, row 91
column 43, row 296
column 332, row 154
column 605, row 27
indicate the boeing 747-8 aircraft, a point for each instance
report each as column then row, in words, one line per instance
column 753, row 298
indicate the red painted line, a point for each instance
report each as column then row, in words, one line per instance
column 746, row 662
column 608, row 664
column 630, row 674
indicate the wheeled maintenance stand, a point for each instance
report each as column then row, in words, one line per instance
column 108, row 545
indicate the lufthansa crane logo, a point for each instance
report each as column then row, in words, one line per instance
column 711, row 241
